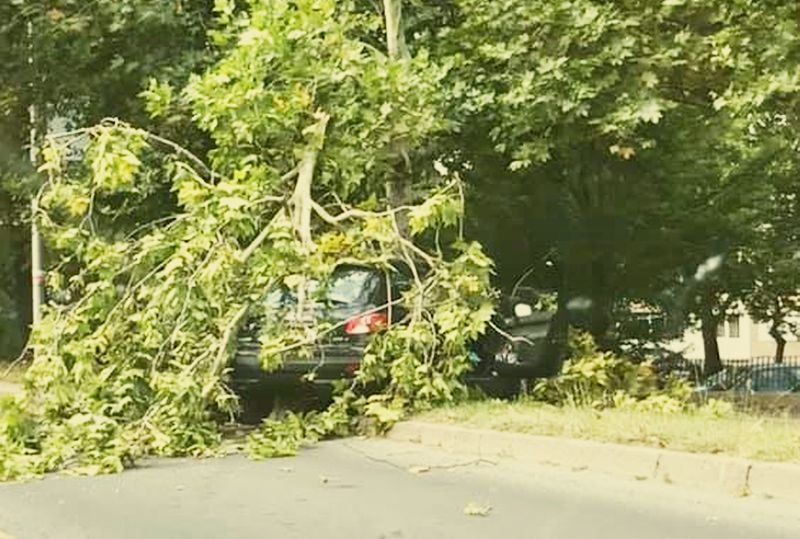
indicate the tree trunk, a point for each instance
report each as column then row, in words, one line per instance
column 602, row 301
column 780, row 342
column 395, row 37
column 713, row 363
column 398, row 186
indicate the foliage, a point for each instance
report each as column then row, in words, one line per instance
column 594, row 378
column 617, row 148
column 78, row 62
column 599, row 133
column 771, row 259
column 133, row 353
column 602, row 380
column 410, row 366
column 281, row 438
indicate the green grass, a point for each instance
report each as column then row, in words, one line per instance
column 738, row 434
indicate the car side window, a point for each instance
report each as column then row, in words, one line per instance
column 775, row 380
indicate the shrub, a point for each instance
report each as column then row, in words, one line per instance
column 594, row 378
column 605, row 380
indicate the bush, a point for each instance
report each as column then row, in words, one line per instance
column 605, row 380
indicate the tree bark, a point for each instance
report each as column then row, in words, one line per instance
column 398, row 186
column 713, row 362
column 395, row 37
column 780, row 342
column 301, row 199
column 602, row 301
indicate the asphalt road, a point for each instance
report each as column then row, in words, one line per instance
column 376, row 489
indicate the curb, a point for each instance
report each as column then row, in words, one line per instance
column 720, row 474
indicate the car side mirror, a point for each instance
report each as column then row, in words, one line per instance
column 522, row 310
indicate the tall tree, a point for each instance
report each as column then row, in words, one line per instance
column 621, row 127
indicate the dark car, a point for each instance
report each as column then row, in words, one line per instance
column 354, row 301
column 760, row 379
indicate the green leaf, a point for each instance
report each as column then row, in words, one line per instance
column 650, row 112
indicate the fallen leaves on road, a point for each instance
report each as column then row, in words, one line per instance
column 477, row 510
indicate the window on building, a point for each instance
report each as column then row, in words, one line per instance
column 721, row 329
column 733, row 327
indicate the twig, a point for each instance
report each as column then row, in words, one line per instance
column 521, row 280
column 128, row 294
column 195, row 176
column 419, row 252
column 117, row 124
column 262, row 236
column 289, row 175
column 411, row 265
column 69, row 134
column 463, row 208
column 350, row 213
column 179, row 150
column 268, row 198
column 174, row 218
column 90, row 211
column 509, row 336
column 17, row 361
column 179, row 320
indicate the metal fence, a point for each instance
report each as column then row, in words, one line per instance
column 759, row 374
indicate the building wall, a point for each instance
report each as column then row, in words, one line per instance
column 751, row 340
column 763, row 345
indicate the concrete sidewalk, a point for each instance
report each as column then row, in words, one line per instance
column 714, row 473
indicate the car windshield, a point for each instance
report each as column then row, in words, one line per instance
column 350, row 285
column 347, row 285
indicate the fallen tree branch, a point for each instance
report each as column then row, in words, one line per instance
column 507, row 335
column 412, row 267
column 354, row 213
column 231, row 329
column 301, row 198
column 262, row 236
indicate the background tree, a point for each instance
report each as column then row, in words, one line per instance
column 89, row 61
column 616, row 136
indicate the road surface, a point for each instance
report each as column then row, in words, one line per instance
column 352, row 489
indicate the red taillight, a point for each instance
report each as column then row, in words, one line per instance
column 350, row 369
column 366, row 323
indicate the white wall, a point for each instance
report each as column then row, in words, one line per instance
column 691, row 345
